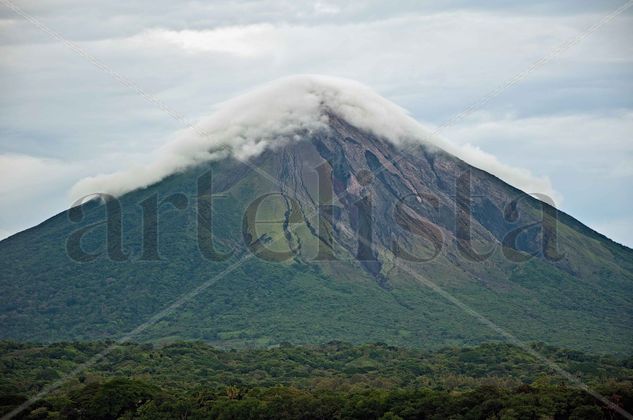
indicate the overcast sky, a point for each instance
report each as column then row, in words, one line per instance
column 62, row 119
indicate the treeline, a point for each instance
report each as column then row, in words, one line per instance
column 335, row 380
column 132, row 399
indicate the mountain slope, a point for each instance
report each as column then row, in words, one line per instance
column 333, row 252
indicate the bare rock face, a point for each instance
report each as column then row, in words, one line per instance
column 340, row 235
column 365, row 199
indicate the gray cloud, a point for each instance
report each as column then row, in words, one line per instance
column 275, row 113
column 430, row 58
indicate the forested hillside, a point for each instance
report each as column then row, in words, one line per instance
column 336, row 380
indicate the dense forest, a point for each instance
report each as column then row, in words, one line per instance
column 190, row 380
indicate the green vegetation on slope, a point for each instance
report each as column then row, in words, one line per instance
column 335, row 380
column 47, row 297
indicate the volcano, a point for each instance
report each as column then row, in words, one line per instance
column 311, row 211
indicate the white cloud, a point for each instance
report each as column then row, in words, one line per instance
column 589, row 155
column 326, row 8
column 586, row 145
column 6, row 233
column 242, row 41
column 33, row 189
column 608, row 132
column 433, row 58
column 280, row 111
column 20, row 173
column 521, row 178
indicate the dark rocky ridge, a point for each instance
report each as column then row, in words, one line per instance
column 343, row 155
column 313, row 279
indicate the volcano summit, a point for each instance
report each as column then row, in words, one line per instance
column 314, row 210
